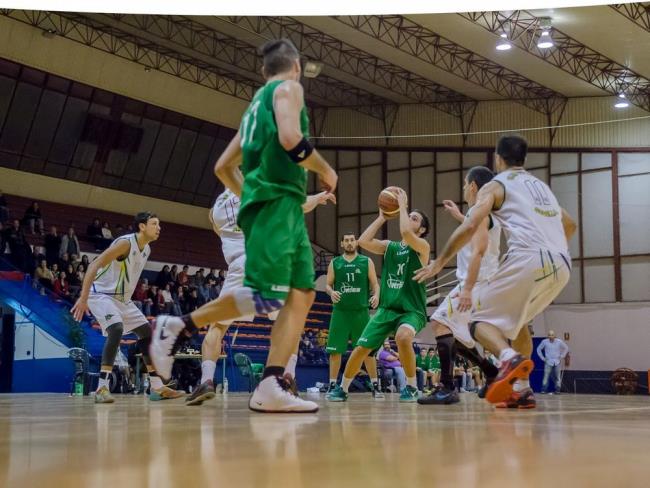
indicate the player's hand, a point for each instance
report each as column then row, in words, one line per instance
column 336, row 297
column 452, row 209
column 402, row 198
column 79, row 309
column 374, row 301
column 464, row 300
column 328, row 180
column 427, row 272
column 323, row 197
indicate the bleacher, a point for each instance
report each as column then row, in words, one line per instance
column 178, row 244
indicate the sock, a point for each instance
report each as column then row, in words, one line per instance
column 375, row 383
column 507, row 354
column 521, row 385
column 345, row 383
column 332, row 380
column 291, row 365
column 489, row 370
column 412, row 381
column 207, row 370
column 103, row 379
column 190, row 326
column 154, row 381
column 272, row 371
column 447, row 353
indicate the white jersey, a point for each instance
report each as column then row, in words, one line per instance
column 530, row 214
column 119, row 278
column 224, row 222
column 490, row 261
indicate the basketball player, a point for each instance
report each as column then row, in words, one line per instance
column 223, row 217
column 348, row 277
column 106, row 292
column 476, row 262
column 532, row 273
column 273, row 150
column 402, row 304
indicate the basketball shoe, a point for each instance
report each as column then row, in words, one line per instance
column 517, row 368
column 273, row 395
column 440, row 396
column 165, row 337
column 524, row 399
column 409, row 394
column 204, row 392
column 103, row 395
column 165, row 393
column 337, row 395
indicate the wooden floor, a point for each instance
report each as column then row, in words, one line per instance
column 59, row 441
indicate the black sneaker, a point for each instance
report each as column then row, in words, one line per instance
column 204, row 392
column 440, row 396
column 377, row 394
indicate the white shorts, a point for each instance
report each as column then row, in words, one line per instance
column 109, row 311
column 523, row 286
column 458, row 322
column 235, row 280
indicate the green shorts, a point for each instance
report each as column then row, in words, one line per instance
column 278, row 251
column 385, row 323
column 346, row 325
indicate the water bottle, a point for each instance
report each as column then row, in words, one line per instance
column 225, row 385
column 78, row 388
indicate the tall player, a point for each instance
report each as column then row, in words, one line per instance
column 273, row 149
column 476, row 262
column 532, row 273
column 348, row 277
column 223, row 217
column 106, row 292
column 402, row 305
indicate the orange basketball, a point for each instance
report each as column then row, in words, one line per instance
column 387, row 202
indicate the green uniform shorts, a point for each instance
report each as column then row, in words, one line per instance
column 385, row 323
column 346, row 325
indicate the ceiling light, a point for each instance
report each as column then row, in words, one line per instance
column 622, row 103
column 503, row 44
column 545, row 41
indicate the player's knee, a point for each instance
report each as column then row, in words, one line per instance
column 404, row 335
column 115, row 330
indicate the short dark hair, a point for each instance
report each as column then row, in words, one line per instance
column 143, row 218
column 425, row 222
column 512, row 149
column 348, row 234
column 479, row 175
column 279, row 55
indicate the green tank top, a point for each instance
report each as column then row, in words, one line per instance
column 398, row 290
column 268, row 171
column 351, row 281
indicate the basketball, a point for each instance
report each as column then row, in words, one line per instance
column 387, row 202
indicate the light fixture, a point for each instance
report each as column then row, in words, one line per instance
column 545, row 41
column 622, row 103
column 503, row 44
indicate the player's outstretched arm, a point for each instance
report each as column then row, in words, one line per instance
column 227, row 166
column 288, row 101
column 118, row 249
column 368, row 241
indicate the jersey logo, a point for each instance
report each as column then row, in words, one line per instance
column 358, row 271
column 109, row 316
column 394, row 283
column 283, row 289
column 346, row 288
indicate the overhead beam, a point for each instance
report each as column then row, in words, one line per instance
column 639, row 13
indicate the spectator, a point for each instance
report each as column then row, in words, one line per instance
column 167, row 296
column 52, row 245
column 106, row 231
column 119, row 230
column 184, row 276
column 194, row 301
column 19, row 249
column 463, row 375
column 204, row 292
column 222, row 277
column 55, row 270
column 198, row 279
column 164, row 277
column 179, row 306
column 33, row 219
column 81, row 272
column 64, row 261
column 95, row 233
column 4, row 211
column 129, row 229
column 74, row 285
column 389, row 359
column 434, row 365
column 174, row 273
column 213, row 290
column 422, row 368
column 85, row 261
column 552, row 351
column 61, row 286
column 211, row 275
column 44, row 275
column 159, row 301
column 69, row 244
column 74, row 259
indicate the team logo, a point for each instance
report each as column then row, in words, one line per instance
column 358, row 271
column 109, row 316
column 346, row 288
column 394, row 282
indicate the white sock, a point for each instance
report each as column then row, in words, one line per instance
column 345, row 383
column 332, row 380
column 412, row 381
column 507, row 354
column 376, row 381
column 155, row 382
column 103, row 382
column 207, row 370
column 291, row 365
column 521, row 385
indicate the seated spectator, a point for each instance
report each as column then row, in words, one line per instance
column 52, row 244
column 164, row 277
column 141, row 297
column 213, row 290
column 159, row 302
column 179, row 305
column 211, row 275
column 184, row 276
column 462, row 375
column 44, row 276
column 106, row 231
column 174, row 273
column 33, row 219
column 55, row 270
column 61, row 286
column 74, row 285
column 95, row 234
column 194, row 301
column 389, row 359
column 69, row 244
column 198, row 279
column 119, row 230
column 434, row 365
column 81, row 272
column 64, row 261
column 4, row 211
column 222, row 277
column 85, row 261
column 421, row 368
column 74, row 259
column 204, row 291
column 167, row 296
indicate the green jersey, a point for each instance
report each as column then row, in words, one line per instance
column 434, row 362
column 351, row 281
column 421, row 362
column 269, row 173
column 398, row 290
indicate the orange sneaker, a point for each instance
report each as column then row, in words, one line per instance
column 524, row 399
column 517, row 368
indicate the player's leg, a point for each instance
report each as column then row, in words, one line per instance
column 210, row 350
column 445, row 394
column 371, row 367
column 113, row 334
column 340, row 392
column 337, row 344
column 409, row 325
column 335, row 367
column 523, row 395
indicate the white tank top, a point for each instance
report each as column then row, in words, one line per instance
column 224, row 222
column 530, row 215
column 490, row 261
column 119, row 278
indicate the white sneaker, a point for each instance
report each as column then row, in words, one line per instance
column 273, row 395
column 165, row 332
